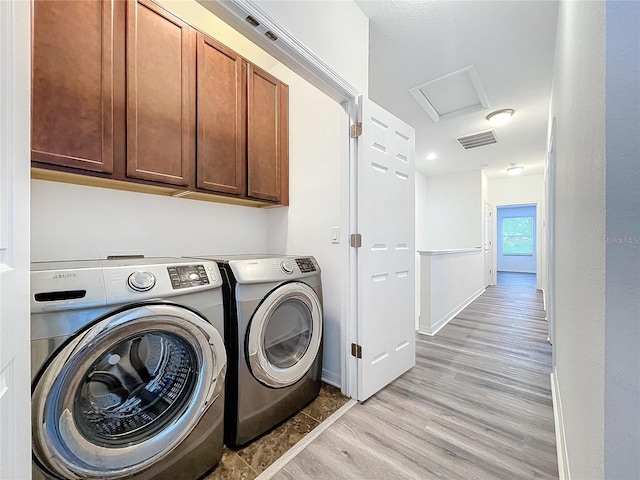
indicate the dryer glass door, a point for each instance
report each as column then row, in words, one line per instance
column 287, row 333
column 284, row 336
column 125, row 392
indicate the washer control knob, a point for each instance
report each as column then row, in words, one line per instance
column 286, row 267
column 141, row 281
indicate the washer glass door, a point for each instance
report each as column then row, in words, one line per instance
column 284, row 335
column 135, row 388
column 125, row 392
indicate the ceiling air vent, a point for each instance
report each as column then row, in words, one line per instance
column 478, row 139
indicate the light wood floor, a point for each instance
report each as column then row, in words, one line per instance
column 477, row 405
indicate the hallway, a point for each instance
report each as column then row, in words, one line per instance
column 477, row 405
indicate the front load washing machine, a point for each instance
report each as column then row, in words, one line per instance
column 273, row 333
column 128, row 368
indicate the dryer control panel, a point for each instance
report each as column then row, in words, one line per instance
column 272, row 268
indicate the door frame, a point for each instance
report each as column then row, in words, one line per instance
column 492, row 247
column 312, row 68
column 549, row 292
column 15, row 134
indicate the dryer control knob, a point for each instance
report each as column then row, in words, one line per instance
column 286, row 267
column 141, row 281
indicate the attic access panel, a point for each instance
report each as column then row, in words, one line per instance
column 453, row 95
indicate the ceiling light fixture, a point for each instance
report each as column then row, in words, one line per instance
column 500, row 117
column 432, row 156
column 514, row 169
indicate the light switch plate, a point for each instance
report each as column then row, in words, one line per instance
column 335, row 234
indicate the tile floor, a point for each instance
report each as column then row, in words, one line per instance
column 248, row 462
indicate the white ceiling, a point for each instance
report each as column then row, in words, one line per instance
column 511, row 44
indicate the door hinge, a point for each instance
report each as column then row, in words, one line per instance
column 356, row 240
column 356, row 130
column 356, row 350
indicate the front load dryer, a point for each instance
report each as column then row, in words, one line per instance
column 273, row 333
column 128, row 369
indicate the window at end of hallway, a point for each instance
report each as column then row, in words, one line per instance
column 517, row 236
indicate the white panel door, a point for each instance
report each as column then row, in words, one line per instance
column 15, row 83
column 386, row 259
column 488, row 244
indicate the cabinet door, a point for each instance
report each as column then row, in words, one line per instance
column 160, row 95
column 221, row 161
column 267, row 137
column 73, row 83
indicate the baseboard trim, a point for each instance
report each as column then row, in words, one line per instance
column 279, row 464
column 452, row 314
column 561, row 442
column 331, row 378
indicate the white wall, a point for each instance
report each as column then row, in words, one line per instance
column 421, row 234
column 452, row 211
column 578, row 103
column 449, row 283
column 622, row 311
column 70, row 222
column 449, row 215
column 422, row 216
column 516, row 190
column 337, row 32
column 516, row 263
column 485, row 186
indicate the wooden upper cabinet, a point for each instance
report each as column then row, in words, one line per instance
column 267, row 137
column 125, row 90
column 73, row 83
column 160, row 95
column 221, row 87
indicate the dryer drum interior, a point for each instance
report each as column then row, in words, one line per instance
column 287, row 333
column 123, row 394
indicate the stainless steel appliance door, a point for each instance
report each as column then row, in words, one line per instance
column 284, row 335
column 123, row 393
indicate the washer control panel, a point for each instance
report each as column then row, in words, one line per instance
column 184, row 276
column 141, row 281
column 306, row 265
